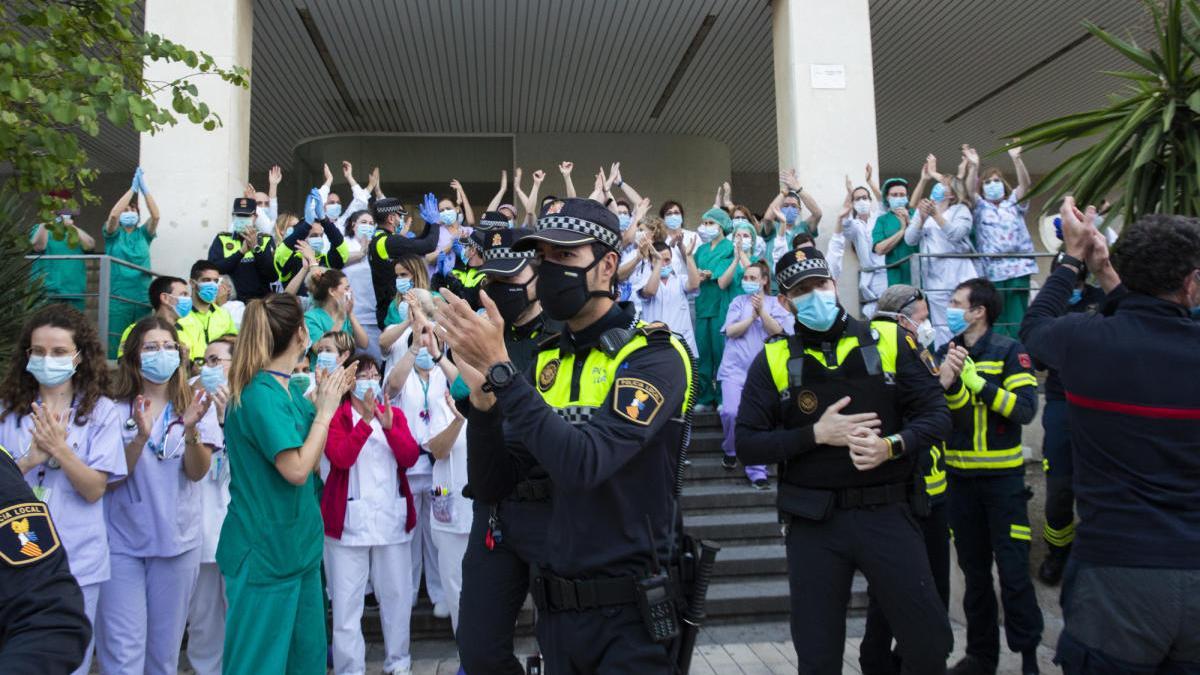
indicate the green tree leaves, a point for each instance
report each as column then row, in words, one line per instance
column 1147, row 142
column 83, row 64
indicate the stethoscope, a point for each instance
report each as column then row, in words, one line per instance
column 159, row 448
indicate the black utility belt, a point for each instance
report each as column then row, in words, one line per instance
column 558, row 594
column 814, row 504
column 532, row 490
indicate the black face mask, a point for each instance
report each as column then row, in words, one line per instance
column 511, row 299
column 563, row 290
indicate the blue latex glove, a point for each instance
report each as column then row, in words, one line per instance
column 135, row 185
column 141, row 181
column 429, row 209
column 314, row 209
column 445, row 264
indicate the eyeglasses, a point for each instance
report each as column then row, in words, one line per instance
column 214, row 360
column 917, row 295
column 153, row 347
column 56, row 352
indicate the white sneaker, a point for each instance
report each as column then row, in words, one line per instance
column 441, row 610
column 400, row 670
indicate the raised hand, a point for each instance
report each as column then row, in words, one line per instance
column 951, row 366
column 566, row 167
column 429, row 208
column 869, row 171
column 369, row 403
column 970, row 154
column 850, row 185
column 373, row 179
column 386, row 414
column 196, row 409
column 347, row 171
column 615, row 173
column 1077, row 228
column 49, row 431
column 453, row 407
column 249, row 191
column 539, row 176
column 307, row 254
column 1015, row 152
column 756, row 302
column 455, row 185
column 275, row 175
column 141, row 417
column 612, row 175
column 328, row 174
column 221, row 400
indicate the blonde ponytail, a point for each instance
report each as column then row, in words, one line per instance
column 268, row 327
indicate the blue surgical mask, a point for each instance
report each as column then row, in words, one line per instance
column 51, row 371
column 332, row 211
column 361, row 387
column 993, row 190
column 707, row 233
column 402, row 311
column 938, row 193
column 956, row 320
column 464, row 254
column 183, row 305
column 128, row 219
column 790, row 214
column 365, row 230
column 745, row 245
column 673, row 221
column 301, row 380
column 751, row 287
column 448, row 217
column 897, row 202
column 288, row 232
column 241, row 223
column 159, row 366
column 817, row 310
column 1076, row 296
column 326, row 361
column 320, row 245
column 424, row 359
column 403, row 284
column 665, row 272
column 624, row 219
column 212, row 377
column 207, row 290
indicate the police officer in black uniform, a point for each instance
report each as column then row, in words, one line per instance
column 43, row 628
column 1059, row 530
column 388, row 245
column 511, row 492
column 605, row 418
column 845, row 407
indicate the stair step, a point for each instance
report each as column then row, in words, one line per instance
column 756, row 524
column 706, row 441
column 751, row 560
column 717, row 496
column 707, row 468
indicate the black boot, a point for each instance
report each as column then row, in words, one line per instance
column 1051, row 569
column 972, row 665
column 1029, row 663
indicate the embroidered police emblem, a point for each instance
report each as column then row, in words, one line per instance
column 1024, row 360
column 636, row 400
column 548, row 375
column 931, row 364
column 496, row 239
column 807, row 401
column 800, row 255
column 26, row 534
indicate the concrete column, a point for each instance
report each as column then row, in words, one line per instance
column 826, row 122
column 194, row 174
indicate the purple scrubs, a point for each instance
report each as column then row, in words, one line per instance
column 739, row 353
column 154, row 530
column 80, row 524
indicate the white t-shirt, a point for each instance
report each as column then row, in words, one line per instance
column 669, row 305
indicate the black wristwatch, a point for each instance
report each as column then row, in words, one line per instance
column 1079, row 265
column 500, row 376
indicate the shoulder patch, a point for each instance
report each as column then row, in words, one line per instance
column 929, row 361
column 654, row 327
column 548, row 375
column 911, row 342
column 1024, row 360
column 27, row 534
column 636, row 400
column 547, row 341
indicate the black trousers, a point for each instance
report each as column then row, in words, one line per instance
column 495, row 583
column 887, row 545
column 876, row 656
column 1060, row 496
column 606, row 640
column 990, row 521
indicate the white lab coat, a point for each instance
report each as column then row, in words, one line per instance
column 857, row 234
column 939, row 276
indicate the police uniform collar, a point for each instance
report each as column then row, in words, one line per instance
column 526, row 329
column 620, row 315
column 1140, row 302
column 811, row 337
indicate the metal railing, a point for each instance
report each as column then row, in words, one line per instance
column 104, row 288
column 915, row 269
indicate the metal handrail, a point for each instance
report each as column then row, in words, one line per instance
column 104, row 289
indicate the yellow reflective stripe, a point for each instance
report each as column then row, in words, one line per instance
column 1019, row 380
column 1045, row 465
column 935, row 485
column 381, row 246
column 985, row 459
column 979, row 442
column 1020, row 532
column 989, row 367
column 1059, row 537
column 777, row 357
column 1004, row 402
column 6, row 452
column 957, row 400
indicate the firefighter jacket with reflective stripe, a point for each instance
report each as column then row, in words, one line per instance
column 987, row 423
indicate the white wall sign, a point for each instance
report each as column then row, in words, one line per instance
column 828, row 75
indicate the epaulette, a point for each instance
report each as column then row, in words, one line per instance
column 548, row 341
column 614, row 340
column 777, row 337
column 655, row 328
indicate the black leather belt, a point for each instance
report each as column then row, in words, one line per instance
column 557, row 594
column 532, row 490
column 875, row 495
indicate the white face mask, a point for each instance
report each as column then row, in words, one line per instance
column 925, row 333
column 862, row 206
column 263, row 222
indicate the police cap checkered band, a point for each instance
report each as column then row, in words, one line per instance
column 506, row 253
column 493, row 220
column 805, row 263
column 389, row 205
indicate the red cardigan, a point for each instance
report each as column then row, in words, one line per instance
column 342, row 447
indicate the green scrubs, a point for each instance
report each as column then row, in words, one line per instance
column 885, row 226
column 271, row 540
column 62, row 277
column 319, row 322
column 1015, row 293
column 712, row 304
column 129, row 286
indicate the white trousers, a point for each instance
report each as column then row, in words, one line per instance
column 450, row 548
column 347, row 570
column 424, row 548
column 206, row 621
column 143, row 611
column 91, row 596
